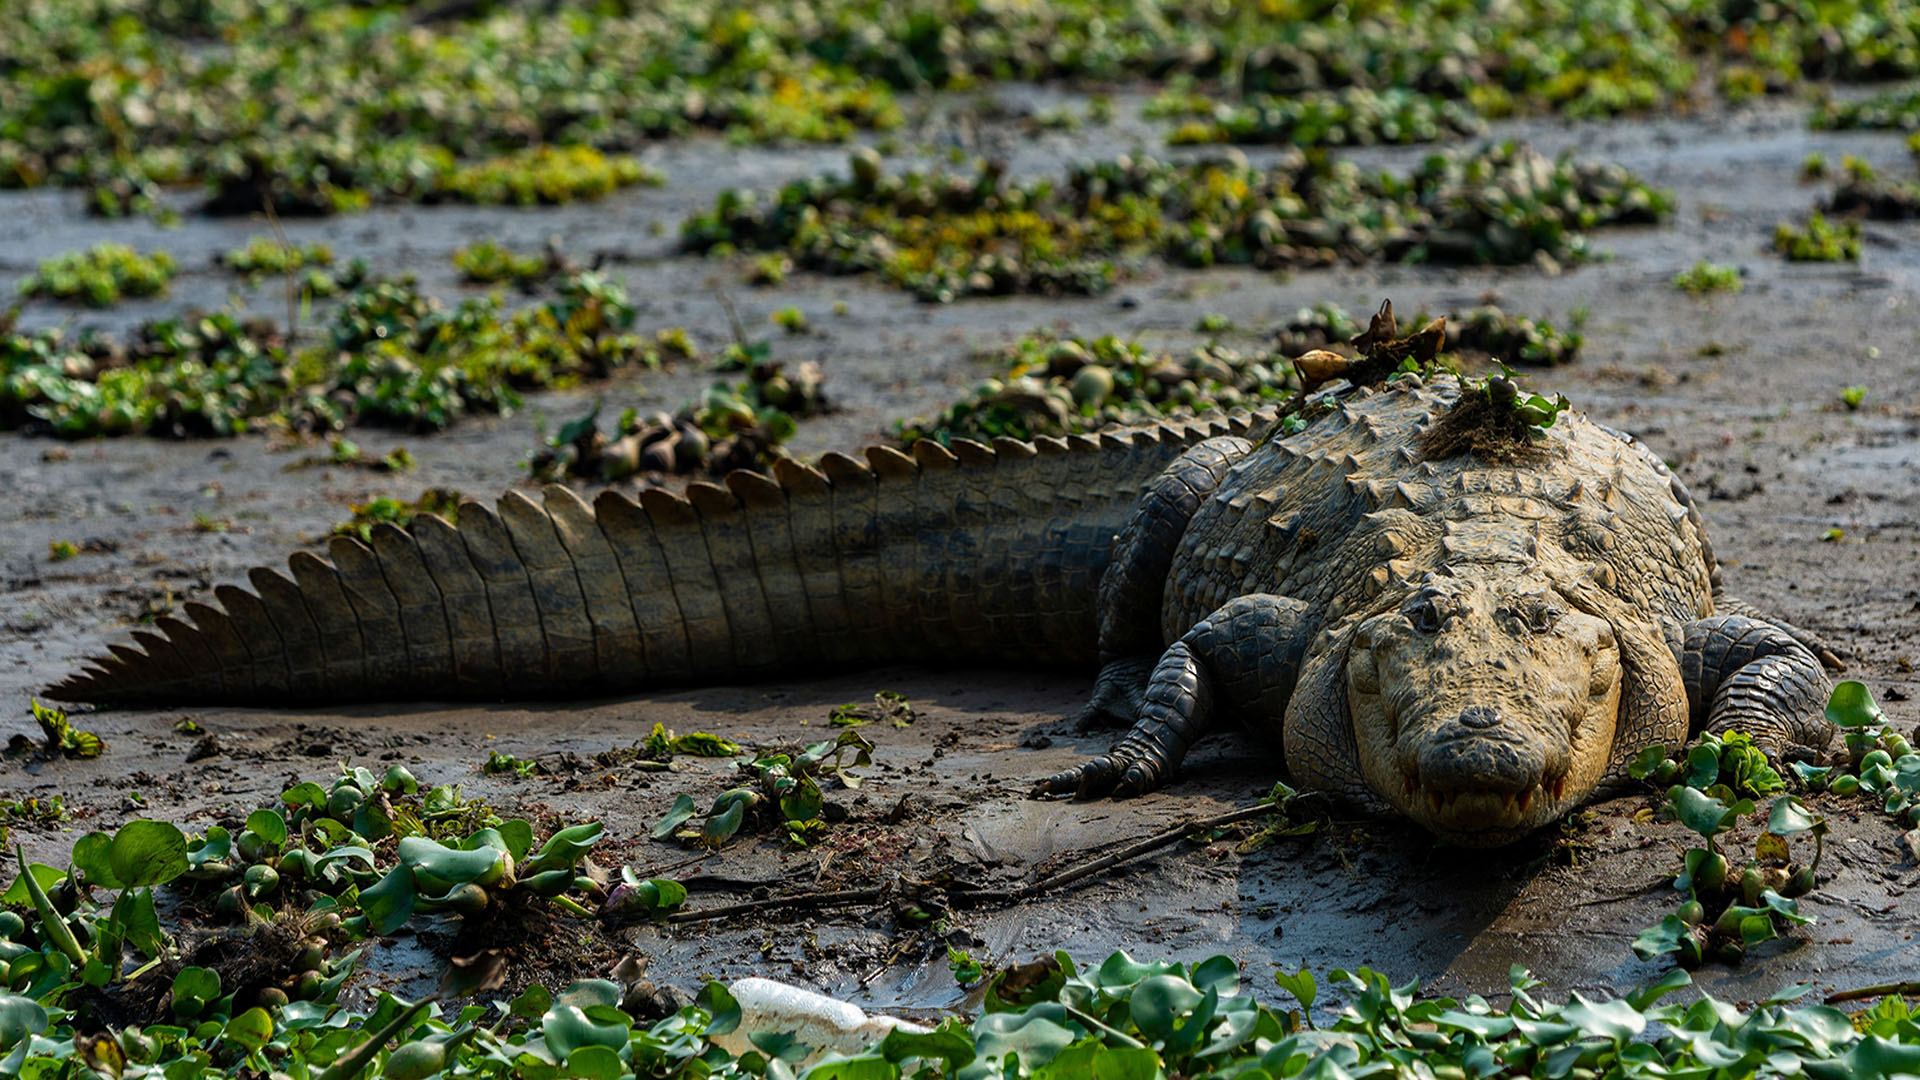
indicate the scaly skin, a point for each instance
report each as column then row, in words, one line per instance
column 982, row 553
column 1479, row 647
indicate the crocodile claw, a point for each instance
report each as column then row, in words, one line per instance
column 1109, row 775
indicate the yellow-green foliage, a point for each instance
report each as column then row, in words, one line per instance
column 264, row 255
column 1820, row 241
column 102, row 276
column 544, row 174
column 487, row 263
column 1705, row 277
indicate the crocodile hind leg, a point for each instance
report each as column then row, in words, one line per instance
column 1241, row 661
column 1136, row 578
column 1733, row 605
column 1751, row 675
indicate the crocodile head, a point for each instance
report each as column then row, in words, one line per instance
column 1483, row 708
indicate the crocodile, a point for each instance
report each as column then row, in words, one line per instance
column 1479, row 644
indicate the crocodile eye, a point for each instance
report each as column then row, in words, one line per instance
column 1425, row 615
column 1542, row 619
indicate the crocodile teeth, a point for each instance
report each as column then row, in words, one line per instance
column 1526, row 798
column 1559, row 787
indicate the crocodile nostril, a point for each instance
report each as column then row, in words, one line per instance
column 1479, row 716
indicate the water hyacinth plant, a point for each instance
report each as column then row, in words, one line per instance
column 100, row 276
column 948, row 235
column 389, row 356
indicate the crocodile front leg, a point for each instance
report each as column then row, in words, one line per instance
column 1746, row 674
column 1242, row 661
column 1135, row 580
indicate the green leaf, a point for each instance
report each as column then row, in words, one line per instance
column 448, row 866
column 252, row 1029
column 720, row 1006
column 148, row 853
column 1644, row 997
column 518, row 834
column 1159, row 1001
column 306, row 794
column 704, row 744
column 1851, row 705
column 534, row 1001
column 803, row 803
column 1647, row 761
column 1703, row 765
column 388, row 904
column 19, row 1018
column 566, row 847
column 567, row 1028
column 721, row 827
column 46, row 876
column 1789, row 816
column 1616, row 1020
column 92, row 857
column 1301, row 985
column 1699, row 811
column 594, row 1062
column 1097, row 1062
column 863, row 1067
column 1660, row 939
column 1030, row 1034
column 268, row 825
column 215, row 846
column 942, row 1043
column 139, row 921
column 197, row 982
column 683, row 809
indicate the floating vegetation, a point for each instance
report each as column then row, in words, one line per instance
column 1482, row 333
column 944, row 235
column 1820, row 240
column 264, row 256
column 1059, row 386
column 100, row 277
column 731, row 426
column 389, row 356
column 1353, row 116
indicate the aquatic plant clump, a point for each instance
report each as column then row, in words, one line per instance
column 1354, row 116
column 1819, row 240
column 944, row 235
column 1060, row 386
column 1482, row 333
column 390, row 356
column 264, row 256
column 731, row 426
column 100, row 276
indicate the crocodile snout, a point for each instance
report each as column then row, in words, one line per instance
column 1473, row 758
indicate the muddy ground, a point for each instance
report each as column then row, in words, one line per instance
column 1740, row 393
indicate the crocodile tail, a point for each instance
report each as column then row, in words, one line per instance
column 978, row 553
